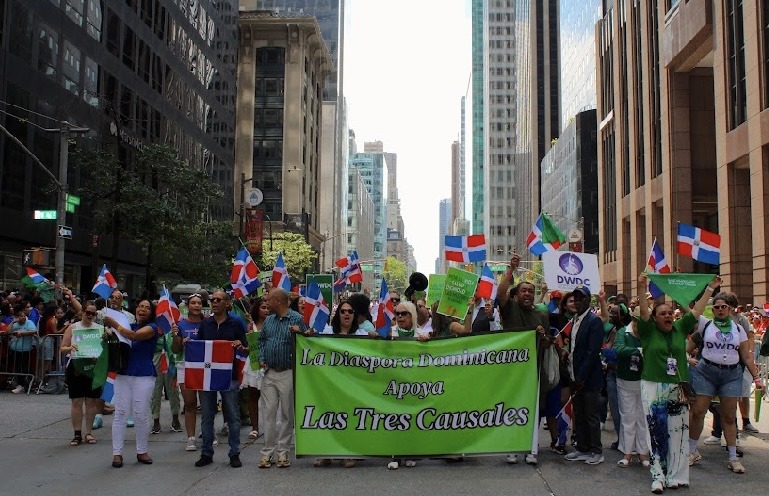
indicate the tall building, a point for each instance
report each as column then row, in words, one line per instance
column 134, row 73
column 457, row 190
column 570, row 180
column 478, row 50
column 682, row 93
column 444, row 224
column 372, row 168
column 578, row 86
column 282, row 65
column 521, row 116
column 360, row 222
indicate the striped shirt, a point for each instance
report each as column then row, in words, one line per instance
column 275, row 346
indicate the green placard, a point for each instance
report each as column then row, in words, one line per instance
column 88, row 342
column 435, row 283
column 681, row 287
column 364, row 397
column 459, row 288
column 253, row 349
column 326, row 285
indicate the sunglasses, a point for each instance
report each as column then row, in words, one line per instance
column 402, row 314
column 90, row 314
column 395, row 300
column 346, row 311
column 720, row 307
column 216, row 300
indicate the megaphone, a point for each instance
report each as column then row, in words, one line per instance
column 417, row 282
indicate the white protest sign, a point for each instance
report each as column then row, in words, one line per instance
column 565, row 270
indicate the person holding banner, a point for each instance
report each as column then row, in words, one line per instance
column 222, row 326
column 406, row 322
column 187, row 329
column 133, row 387
column 725, row 353
column 665, row 370
column 252, row 379
column 79, row 384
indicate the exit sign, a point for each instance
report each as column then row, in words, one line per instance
column 45, row 214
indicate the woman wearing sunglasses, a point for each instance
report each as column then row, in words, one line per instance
column 79, row 382
column 725, row 352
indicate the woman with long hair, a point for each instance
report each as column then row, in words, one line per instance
column 252, row 379
column 133, row 386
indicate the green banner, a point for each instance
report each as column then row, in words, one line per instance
column 459, row 288
column 435, row 283
column 364, row 397
column 253, row 350
column 88, row 342
column 681, row 287
column 326, row 285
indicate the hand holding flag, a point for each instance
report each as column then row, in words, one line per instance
column 166, row 313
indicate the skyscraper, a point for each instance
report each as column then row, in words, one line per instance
column 478, row 135
column 372, row 168
column 444, row 225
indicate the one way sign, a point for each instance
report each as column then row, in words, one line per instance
column 65, row 232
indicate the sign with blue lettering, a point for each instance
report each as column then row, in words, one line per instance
column 565, row 270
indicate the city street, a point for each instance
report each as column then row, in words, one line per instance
column 37, row 459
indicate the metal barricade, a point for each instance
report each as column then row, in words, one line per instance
column 18, row 359
column 51, row 365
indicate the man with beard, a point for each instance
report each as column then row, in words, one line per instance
column 517, row 312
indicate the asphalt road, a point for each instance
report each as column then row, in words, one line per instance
column 36, row 458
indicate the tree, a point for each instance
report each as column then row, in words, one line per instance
column 395, row 274
column 297, row 254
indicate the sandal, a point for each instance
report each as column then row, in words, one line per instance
column 253, row 435
column 76, row 440
column 623, row 463
column 89, row 439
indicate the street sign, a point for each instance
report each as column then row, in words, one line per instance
column 498, row 267
column 74, row 200
column 65, row 232
column 254, row 197
column 45, row 214
column 575, row 235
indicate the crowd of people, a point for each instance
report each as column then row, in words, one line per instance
column 655, row 368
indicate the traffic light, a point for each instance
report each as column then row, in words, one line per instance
column 35, row 257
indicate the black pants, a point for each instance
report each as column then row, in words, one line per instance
column 586, row 421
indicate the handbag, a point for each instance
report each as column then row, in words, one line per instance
column 117, row 354
column 550, row 373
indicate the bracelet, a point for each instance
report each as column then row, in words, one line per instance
column 711, row 289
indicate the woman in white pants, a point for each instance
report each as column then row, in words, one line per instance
column 634, row 431
column 133, row 386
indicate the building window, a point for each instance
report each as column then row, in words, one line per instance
column 48, row 50
column 638, row 79
column 654, row 70
column 609, row 191
column 735, row 42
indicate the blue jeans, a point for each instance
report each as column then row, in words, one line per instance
column 232, row 417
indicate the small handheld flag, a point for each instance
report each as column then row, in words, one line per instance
column 316, row 310
column 385, row 312
column 166, row 313
column 244, row 277
column 105, row 283
column 699, row 244
column 280, row 277
column 544, row 236
column 659, row 265
column 487, row 286
column 35, row 276
column 465, row 249
column 351, row 271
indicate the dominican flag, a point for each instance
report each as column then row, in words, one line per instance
column 316, row 311
column 385, row 312
column 166, row 313
column 487, row 286
column 208, row 365
column 699, row 244
column 240, row 363
column 280, row 278
column 465, row 249
column 108, row 390
column 36, row 277
column 351, row 271
column 659, row 265
column 544, row 236
column 244, row 277
column 105, row 284
column 563, row 421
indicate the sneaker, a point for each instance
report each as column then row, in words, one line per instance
column 235, row 461
column 393, row 465
column 265, row 462
column 658, row 487
column 156, row 428
column 577, row 456
column 18, row 389
column 410, row 463
column 176, row 426
column 204, row 460
column 561, row 450
column 694, row 458
column 594, row 459
column 712, row 440
column 283, row 462
column 225, row 430
column 736, row 467
column 531, row 459
column 750, row 428
column 512, row 459
column 98, row 422
column 322, row 462
column 191, row 444
column 615, row 445
column 348, row 463
column 129, row 422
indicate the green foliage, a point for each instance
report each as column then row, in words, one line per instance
column 297, row 254
column 395, row 274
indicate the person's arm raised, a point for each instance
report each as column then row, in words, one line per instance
column 503, row 290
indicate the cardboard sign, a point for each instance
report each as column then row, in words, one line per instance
column 565, row 270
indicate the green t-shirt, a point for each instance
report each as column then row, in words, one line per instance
column 658, row 347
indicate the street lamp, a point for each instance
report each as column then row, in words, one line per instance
column 326, row 237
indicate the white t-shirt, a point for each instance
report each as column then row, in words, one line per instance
column 330, row 330
column 721, row 347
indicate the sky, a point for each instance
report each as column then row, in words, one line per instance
column 407, row 66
